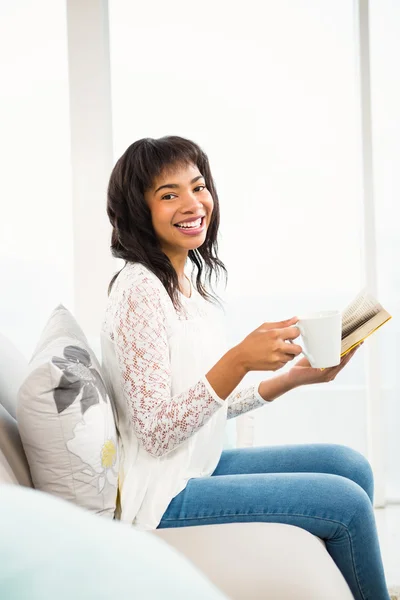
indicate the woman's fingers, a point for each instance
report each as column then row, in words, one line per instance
column 281, row 324
column 349, row 355
column 289, row 333
column 346, row 358
column 292, row 349
column 289, row 357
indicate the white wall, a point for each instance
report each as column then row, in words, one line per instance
column 35, row 186
column 91, row 159
column 269, row 91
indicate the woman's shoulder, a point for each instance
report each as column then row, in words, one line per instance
column 136, row 303
column 136, row 277
column 136, row 291
column 137, row 286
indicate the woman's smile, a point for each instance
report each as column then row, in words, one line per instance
column 192, row 226
column 180, row 198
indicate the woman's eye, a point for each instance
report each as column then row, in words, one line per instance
column 170, row 196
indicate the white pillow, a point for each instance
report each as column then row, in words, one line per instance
column 66, row 421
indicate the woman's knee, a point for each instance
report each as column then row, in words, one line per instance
column 357, row 504
column 355, row 466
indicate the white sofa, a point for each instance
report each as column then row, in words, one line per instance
column 247, row 561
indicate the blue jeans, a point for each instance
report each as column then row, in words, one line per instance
column 326, row 489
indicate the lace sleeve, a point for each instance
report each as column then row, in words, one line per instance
column 243, row 401
column 161, row 422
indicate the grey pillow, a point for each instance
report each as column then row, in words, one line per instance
column 66, row 421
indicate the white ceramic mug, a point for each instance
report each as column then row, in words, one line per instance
column 321, row 334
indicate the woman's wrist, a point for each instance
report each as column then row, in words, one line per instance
column 237, row 360
column 270, row 389
column 227, row 373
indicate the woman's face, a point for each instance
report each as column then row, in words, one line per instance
column 181, row 208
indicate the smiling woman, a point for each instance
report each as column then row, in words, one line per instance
column 180, row 219
column 174, row 379
column 161, row 230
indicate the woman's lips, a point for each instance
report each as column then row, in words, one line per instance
column 192, row 230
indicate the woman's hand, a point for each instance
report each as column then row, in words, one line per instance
column 267, row 347
column 302, row 373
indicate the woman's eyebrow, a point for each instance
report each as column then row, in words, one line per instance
column 175, row 185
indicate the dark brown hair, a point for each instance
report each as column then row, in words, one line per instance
column 133, row 237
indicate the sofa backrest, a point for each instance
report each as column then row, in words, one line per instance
column 13, row 367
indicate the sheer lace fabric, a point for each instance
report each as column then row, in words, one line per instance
column 155, row 360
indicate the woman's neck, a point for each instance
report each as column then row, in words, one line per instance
column 178, row 261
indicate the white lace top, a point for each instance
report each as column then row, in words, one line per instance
column 171, row 422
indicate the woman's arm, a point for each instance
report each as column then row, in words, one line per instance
column 161, row 421
column 257, row 395
column 267, row 391
column 263, row 349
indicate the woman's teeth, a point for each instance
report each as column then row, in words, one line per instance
column 191, row 224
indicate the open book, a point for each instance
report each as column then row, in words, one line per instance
column 360, row 318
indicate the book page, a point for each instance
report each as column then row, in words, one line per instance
column 363, row 308
column 364, row 331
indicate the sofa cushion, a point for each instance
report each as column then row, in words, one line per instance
column 13, row 464
column 65, row 419
column 273, row 561
column 51, row 550
column 13, row 368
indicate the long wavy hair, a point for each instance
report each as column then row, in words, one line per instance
column 133, row 237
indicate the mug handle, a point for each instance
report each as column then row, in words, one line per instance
column 308, row 356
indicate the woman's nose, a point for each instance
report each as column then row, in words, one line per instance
column 191, row 202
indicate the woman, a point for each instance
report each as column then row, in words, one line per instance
column 175, row 383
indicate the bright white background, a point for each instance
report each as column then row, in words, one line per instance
column 269, row 90
column 385, row 46
column 35, row 185
column 270, row 93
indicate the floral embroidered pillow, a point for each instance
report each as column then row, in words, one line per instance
column 66, row 421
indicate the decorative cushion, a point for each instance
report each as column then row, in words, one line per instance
column 65, row 419
column 51, row 550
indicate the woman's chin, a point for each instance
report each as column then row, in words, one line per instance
column 192, row 242
column 196, row 242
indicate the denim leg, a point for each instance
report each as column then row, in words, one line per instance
column 331, row 507
column 300, row 458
